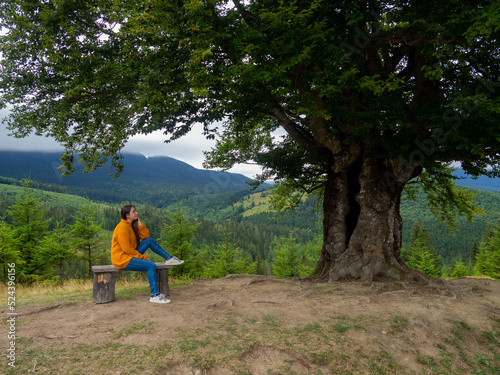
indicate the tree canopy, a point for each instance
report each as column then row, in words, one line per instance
column 403, row 78
column 355, row 97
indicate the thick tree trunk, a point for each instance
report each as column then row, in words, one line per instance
column 362, row 225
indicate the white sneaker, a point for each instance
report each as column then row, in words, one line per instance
column 174, row 261
column 160, row 298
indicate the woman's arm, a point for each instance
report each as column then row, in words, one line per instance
column 143, row 231
column 124, row 241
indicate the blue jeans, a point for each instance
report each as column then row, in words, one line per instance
column 137, row 264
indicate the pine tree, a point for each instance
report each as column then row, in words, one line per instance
column 88, row 238
column 488, row 259
column 56, row 248
column 312, row 251
column 460, row 270
column 30, row 229
column 227, row 259
column 261, row 267
column 289, row 260
column 473, row 252
column 420, row 254
column 178, row 240
column 9, row 252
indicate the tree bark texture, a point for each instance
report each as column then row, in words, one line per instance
column 162, row 279
column 103, row 290
column 362, row 225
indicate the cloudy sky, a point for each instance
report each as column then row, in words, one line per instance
column 188, row 149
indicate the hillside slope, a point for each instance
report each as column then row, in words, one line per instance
column 480, row 183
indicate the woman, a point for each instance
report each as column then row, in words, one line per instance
column 127, row 250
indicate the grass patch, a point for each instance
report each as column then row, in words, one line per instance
column 383, row 364
column 47, row 293
column 140, row 327
column 457, row 357
column 342, row 324
column 78, row 290
column 398, row 324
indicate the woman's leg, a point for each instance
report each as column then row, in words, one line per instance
column 145, row 265
column 150, row 243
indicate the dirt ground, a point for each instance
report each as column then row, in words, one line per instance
column 295, row 302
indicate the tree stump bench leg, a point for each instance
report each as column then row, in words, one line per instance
column 162, row 279
column 103, row 288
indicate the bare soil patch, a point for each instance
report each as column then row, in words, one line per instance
column 416, row 328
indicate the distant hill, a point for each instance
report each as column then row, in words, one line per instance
column 481, row 183
column 156, row 180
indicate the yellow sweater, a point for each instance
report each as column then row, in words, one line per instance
column 124, row 243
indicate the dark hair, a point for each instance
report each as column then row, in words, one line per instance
column 124, row 212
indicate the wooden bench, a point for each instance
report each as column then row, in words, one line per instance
column 103, row 289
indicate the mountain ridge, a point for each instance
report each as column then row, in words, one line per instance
column 166, row 178
column 42, row 166
column 480, row 183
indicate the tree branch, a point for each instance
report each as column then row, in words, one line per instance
column 297, row 132
column 247, row 16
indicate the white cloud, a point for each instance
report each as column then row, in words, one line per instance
column 189, row 148
column 31, row 143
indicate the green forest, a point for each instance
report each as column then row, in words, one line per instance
column 53, row 235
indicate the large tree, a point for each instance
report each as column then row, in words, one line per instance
column 355, row 97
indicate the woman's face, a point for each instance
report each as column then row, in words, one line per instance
column 132, row 215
